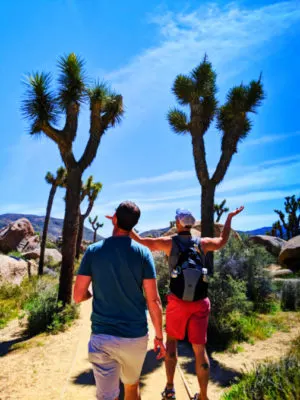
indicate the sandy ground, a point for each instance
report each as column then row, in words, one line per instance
column 56, row 367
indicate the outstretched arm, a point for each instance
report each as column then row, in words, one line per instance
column 154, row 244
column 213, row 244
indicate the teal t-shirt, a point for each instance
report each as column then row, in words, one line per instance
column 118, row 265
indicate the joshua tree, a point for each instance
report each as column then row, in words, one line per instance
column 54, row 181
column 198, row 91
column 90, row 190
column 45, row 108
column 95, row 226
column 219, row 209
column 290, row 228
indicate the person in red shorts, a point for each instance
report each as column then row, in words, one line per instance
column 188, row 306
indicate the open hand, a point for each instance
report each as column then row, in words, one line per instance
column 160, row 348
column 236, row 212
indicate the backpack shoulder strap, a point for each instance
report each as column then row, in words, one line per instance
column 178, row 243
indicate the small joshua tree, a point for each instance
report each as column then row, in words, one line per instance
column 220, row 210
column 55, row 182
column 89, row 190
column 95, row 226
column 288, row 226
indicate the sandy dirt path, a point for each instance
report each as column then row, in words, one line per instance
column 56, row 367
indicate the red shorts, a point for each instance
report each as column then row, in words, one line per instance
column 182, row 316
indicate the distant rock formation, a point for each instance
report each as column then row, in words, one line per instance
column 14, row 270
column 290, row 254
column 19, row 236
column 51, row 255
column 271, row 243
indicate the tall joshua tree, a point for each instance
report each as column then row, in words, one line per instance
column 45, row 108
column 55, row 182
column 198, row 91
column 90, row 190
column 95, row 226
column 219, row 209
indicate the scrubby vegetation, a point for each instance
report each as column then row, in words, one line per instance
column 162, row 270
column 290, row 299
column 36, row 301
column 271, row 381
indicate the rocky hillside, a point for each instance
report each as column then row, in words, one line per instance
column 160, row 232
column 55, row 225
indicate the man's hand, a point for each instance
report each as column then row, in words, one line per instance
column 160, row 347
column 236, row 212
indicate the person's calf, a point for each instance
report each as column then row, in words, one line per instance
column 132, row 392
column 171, row 360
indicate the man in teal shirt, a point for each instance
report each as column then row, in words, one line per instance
column 121, row 271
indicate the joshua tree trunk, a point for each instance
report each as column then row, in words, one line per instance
column 95, row 236
column 45, row 230
column 207, row 211
column 207, row 218
column 80, row 235
column 70, row 231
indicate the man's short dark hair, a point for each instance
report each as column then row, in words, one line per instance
column 128, row 214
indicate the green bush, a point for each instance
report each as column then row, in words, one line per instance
column 38, row 298
column 290, row 297
column 9, row 303
column 44, row 313
column 271, row 381
column 50, row 244
column 246, row 261
column 163, row 276
column 228, row 303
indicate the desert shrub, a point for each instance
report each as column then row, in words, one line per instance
column 52, row 264
column 278, row 380
column 50, row 244
column 15, row 254
column 290, row 297
column 44, row 313
column 228, row 303
column 10, row 302
column 163, row 276
column 243, row 260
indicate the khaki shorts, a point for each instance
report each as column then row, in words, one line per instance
column 114, row 359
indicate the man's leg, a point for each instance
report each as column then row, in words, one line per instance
column 197, row 331
column 202, row 369
column 132, row 392
column 171, row 360
column 131, row 355
column 106, row 369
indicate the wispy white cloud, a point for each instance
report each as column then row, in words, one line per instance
column 168, row 177
column 185, row 37
column 272, row 138
column 255, row 197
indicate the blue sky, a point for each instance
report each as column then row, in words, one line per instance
column 140, row 47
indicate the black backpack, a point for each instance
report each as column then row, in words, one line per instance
column 189, row 278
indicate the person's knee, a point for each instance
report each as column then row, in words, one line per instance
column 131, row 386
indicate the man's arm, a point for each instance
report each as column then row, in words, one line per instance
column 81, row 288
column 155, row 311
column 154, row 244
column 213, row 244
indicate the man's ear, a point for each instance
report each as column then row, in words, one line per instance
column 115, row 220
